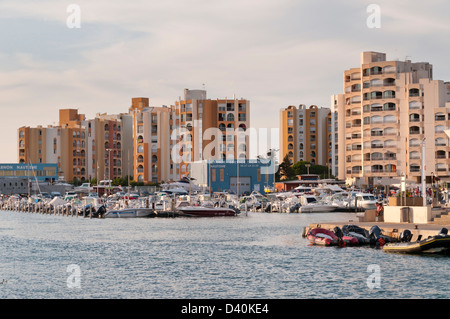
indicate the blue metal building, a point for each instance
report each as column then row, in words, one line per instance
column 236, row 176
column 39, row 172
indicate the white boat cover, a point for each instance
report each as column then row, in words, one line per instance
column 57, row 201
column 334, row 188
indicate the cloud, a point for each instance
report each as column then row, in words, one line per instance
column 274, row 53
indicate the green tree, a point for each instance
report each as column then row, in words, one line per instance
column 286, row 172
column 301, row 169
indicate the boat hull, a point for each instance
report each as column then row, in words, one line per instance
column 206, row 212
column 322, row 237
column 130, row 213
column 316, row 209
column 430, row 245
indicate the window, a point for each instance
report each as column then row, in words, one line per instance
column 439, row 117
column 389, row 69
column 440, row 141
column 389, row 82
column 414, row 130
column 389, row 106
column 376, row 107
column 414, row 92
column 376, row 70
column 390, row 119
column 376, row 119
column 415, row 105
column 389, row 94
column 439, row 129
column 440, row 154
column 414, row 155
column 376, row 82
column 376, row 95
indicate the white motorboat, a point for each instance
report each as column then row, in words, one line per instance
column 363, row 200
column 129, row 213
column 310, row 204
column 185, row 185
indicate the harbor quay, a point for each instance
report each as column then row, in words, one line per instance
column 367, row 220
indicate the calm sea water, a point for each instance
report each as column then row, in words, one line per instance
column 256, row 256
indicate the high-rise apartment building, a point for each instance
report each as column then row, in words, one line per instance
column 388, row 109
column 83, row 149
column 197, row 120
column 149, row 144
column 306, row 134
column 151, row 141
column 107, row 152
column 64, row 145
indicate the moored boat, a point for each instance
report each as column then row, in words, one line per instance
column 361, row 234
column 433, row 244
column 348, row 240
column 322, row 236
column 310, row 204
column 201, row 211
column 129, row 213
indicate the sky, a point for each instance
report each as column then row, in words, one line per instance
column 273, row 53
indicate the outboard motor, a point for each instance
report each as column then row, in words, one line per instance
column 338, row 232
column 375, row 236
column 375, row 232
column 101, row 211
column 405, row 236
column 443, row 232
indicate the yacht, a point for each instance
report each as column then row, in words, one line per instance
column 310, row 204
column 363, row 200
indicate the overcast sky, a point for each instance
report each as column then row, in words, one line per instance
column 273, row 53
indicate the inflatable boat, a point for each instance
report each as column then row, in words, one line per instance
column 348, row 240
column 433, row 244
column 322, row 236
column 361, row 234
column 325, row 237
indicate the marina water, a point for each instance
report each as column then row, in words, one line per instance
column 259, row 255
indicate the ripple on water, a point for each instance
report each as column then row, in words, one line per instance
column 254, row 256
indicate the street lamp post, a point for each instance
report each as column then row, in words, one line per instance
column 423, row 177
column 271, row 154
column 109, row 170
column 307, row 168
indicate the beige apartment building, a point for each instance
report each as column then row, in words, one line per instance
column 209, row 129
column 306, row 134
column 108, row 152
column 64, row 145
column 83, row 149
column 151, row 141
column 388, row 109
column 150, row 144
